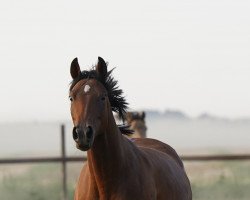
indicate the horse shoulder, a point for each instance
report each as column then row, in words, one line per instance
column 85, row 188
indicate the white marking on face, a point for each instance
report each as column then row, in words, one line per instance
column 86, row 88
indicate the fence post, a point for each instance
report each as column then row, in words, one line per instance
column 64, row 170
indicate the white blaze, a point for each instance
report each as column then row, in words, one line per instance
column 86, row 88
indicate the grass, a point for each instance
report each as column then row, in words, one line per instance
column 220, row 180
column 210, row 180
column 39, row 182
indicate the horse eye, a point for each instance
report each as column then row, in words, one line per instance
column 103, row 98
column 70, row 98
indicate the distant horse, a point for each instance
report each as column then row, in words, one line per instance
column 118, row 168
column 136, row 121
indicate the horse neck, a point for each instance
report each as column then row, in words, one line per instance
column 107, row 155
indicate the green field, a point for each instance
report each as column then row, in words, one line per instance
column 220, row 180
column 210, row 180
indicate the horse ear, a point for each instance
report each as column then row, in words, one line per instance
column 143, row 115
column 75, row 68
column 101, row 68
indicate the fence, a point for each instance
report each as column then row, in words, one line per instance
column 63, row 160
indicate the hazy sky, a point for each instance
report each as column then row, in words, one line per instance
column 188, row 55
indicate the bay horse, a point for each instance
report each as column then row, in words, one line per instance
column 136, row 122
column 118, row 168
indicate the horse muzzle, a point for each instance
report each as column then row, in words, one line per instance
column 83, row 137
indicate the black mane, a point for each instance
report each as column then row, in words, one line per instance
column 117, row 100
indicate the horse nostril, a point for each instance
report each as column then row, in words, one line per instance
column 75, row 133
column 89, row 132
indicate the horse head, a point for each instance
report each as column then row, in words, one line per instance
column 136, row 121
column 93, row 95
